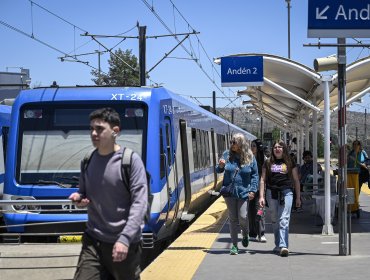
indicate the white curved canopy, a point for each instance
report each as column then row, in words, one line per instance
column 290, row 89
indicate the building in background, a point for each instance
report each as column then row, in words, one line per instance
column 11, row 83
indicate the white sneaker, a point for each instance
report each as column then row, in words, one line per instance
column 253, row 239
column 263, row 239
column 284, row 252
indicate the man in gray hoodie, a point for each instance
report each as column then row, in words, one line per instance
column 111, row 245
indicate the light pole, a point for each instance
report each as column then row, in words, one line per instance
column 288, row 7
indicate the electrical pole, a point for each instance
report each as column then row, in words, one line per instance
column 365, row 137
column 342, row 157
column 142, row 58
column 261, row 128
column 214, row 102
column 288, row 7
column 99, row 69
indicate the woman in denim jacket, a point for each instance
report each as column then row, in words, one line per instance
column 280, row 175
column 239, row 162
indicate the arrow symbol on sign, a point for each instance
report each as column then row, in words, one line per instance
column 320, row 15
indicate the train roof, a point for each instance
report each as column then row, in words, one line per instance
column 114, row 93
column 207, row 113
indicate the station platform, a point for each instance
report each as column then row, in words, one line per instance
column 202, row 251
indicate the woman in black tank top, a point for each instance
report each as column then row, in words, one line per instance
column 279, row 177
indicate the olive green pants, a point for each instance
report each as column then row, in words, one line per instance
column 96, row 262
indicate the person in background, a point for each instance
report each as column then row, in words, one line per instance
column 256, row 220
column 280, row 176
column 307, row 167
column 305, row 171
column 267, row 152
column 111, row 245
column 239, row 163
column 357, row 159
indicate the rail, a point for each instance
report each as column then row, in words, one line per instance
column 37, row 202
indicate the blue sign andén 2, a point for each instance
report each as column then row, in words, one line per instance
column 241, row 71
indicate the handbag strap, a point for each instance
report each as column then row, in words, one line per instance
column 235, row 173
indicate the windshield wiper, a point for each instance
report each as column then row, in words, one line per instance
column 44, row 182
column 73, row 179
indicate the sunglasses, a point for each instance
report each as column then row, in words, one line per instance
column 233, row 142
column 278, row 147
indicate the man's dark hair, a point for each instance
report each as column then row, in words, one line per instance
column 307, row 153
column 108, row 115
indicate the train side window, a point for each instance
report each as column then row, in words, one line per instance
column 208, row 154
column 161, row 155
column 201, row 136
column 221, row 145
column 194, row 145
column 168, row 140
column 199, row 147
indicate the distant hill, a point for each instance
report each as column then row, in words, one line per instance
column 356, row 124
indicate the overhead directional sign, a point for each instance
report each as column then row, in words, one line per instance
column 338, row 18
column 239, row 71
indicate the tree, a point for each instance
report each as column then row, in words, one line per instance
column 123, row 70
column 276, row 133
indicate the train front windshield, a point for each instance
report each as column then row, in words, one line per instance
column 53, row 139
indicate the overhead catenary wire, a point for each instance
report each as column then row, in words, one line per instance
column 190, row 53
column 44, row 43
column 55, row 15
column 67, row 54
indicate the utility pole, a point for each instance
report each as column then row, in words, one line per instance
column 142, row 57
column 342, row 157
column 365, row 137
column 261, row 128
column 288, row 7
column 232, row 115
column 99, row 69
column 214, row 102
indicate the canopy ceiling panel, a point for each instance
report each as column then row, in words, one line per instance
column 290, row 87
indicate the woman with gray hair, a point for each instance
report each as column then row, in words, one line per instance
column 241, row 170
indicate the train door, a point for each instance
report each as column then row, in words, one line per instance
column 3, row 143
column 2, row 164
column 185, row 164
column 170, row 172
column 214, row 160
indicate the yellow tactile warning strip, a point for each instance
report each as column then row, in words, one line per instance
column 365, row 189
column 184, row 256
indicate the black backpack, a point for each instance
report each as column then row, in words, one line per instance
column 125, row 171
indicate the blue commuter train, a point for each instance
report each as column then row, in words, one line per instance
column 178, row 141
column 4, row 129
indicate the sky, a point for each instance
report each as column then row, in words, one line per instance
column 35, row 34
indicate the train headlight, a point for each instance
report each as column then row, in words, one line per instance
column 19, row 207
column 24, row 207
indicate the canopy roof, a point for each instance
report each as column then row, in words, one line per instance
column 290, row 89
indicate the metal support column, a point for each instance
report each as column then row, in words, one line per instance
column 328, row 227
column 306, row 131
column 342, row 157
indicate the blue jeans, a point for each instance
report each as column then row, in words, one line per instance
column 238, row 216
column 280, row 217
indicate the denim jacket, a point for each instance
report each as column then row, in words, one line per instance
column 245, row 181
